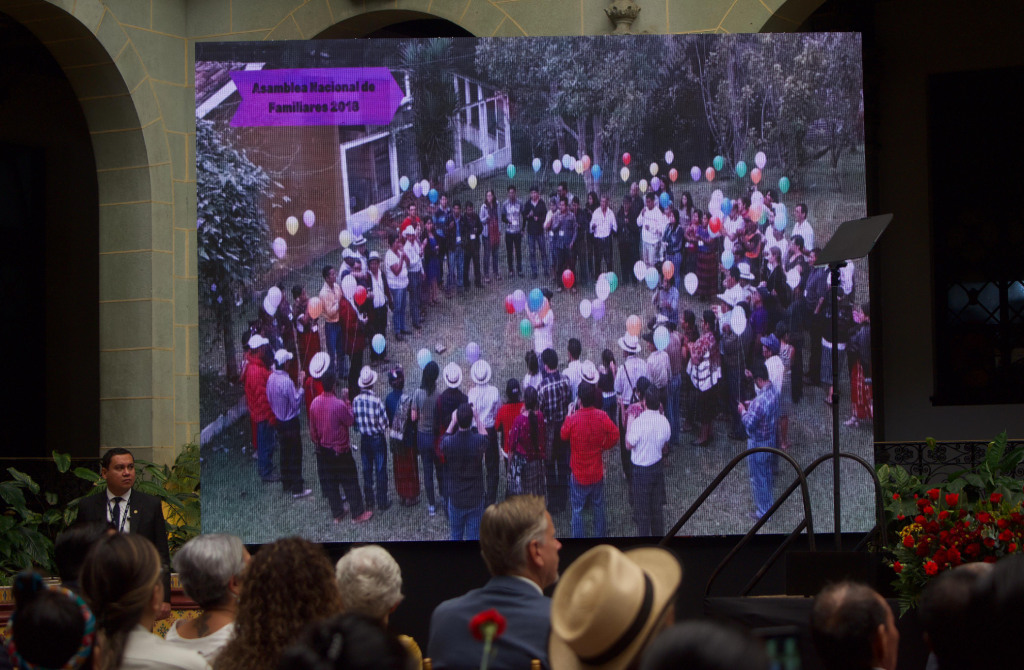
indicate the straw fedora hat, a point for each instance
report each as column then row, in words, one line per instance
column 607, row 605
column 367, row 377
column 318, row 364
column 629, row 343
column 452, row 375
column 480, row 372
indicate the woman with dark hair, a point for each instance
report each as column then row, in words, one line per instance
column 122, row 582
column 705, row 370
column 424, row 401
column 526, row 449
column 490, row 217
column 672, row 242
column 861, row 407
column 402, row 434
column 533, row 376
column 289, row 584
column 686, row 208
column 709, row 251
column 346, row 642
column 606, row 385
column 50, row 627
column 704, row 645
column 508, row 413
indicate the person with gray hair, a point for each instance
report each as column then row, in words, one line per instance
column 210, row 568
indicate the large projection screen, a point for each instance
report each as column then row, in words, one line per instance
column 305, row 147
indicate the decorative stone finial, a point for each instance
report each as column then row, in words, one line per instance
column 622, row 13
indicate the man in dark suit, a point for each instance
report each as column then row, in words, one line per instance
column 129, row 511
column 517, row 540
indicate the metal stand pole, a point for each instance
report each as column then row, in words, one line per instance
column 836, row 498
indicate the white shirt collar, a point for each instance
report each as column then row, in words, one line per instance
column 124, row 498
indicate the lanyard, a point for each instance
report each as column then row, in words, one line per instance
column 123, row 517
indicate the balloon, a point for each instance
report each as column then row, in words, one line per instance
column 556, row 166
column 489, row 161
column 450, row 166
column 518, row 299
column 510, row 171
column 654, row 169
column 781, row 218
column 656, row 184
column 665, row 200
column 633, row 325
column 755, row 212
column 424, row 186
column 595, row 171
column 719, row 163
column 726, row 207
column 727, row 259
column 274, row 297
column 378, row 343
column 760, row 159
column 314, row 308
column 651, row 278
column 572, row 163
column 510, row 307
column 417, row 190
column 793, row 277
column 433, row 196
column 715, row 225
column 526, row 328
column 423, row 357
column 709, row 174
column 784, row 184
column 757, row 198
column 374, row 213
column 536, row 300
column 717, row 195
column 738, row 320
column 639, row 270
column 585, row 308
column 695, row 173
column 348, row 287
column 472, row 181
column 673, row 174
column 690, row 283
column 668, row 269
column 309, row 218
column 603, row 288
column 472, row 352
column 755, row 175
column 579, row 167
column 597, row 310
column 669, row 157
column 624, row 173
column 586, row 162
column 625, row 158
column 613, row 281
column 741, row 169
column 280, row 247
column 403, row 183
column 292, row 224
column 535, row 164
column 345, row 237
column 568, row 279
column 643, row 186
column 661, row 338
column 360, row 295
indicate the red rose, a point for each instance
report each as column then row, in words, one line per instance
column 984, row 517
column 995, row 498
column 908, row 541
column 1005, row 535
column 952, row 499
column 479, row 624
column 897, row 567
column 989, row 542
column 921, row 503
column 954, row 556
column 1012, row 548
column 922, row 549
column 973, row 549
column 962, row 513
column 932, row 527
column 933, row 494
column 944, row 514
column 919, row 519
column 928, row 510
column 900, row 517
column 1002, row 523
column 931, row 568
column 941, row 557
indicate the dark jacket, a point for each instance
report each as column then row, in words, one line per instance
column 534, row 215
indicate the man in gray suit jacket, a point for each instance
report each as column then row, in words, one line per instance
column 129, row 511
column 517, row 540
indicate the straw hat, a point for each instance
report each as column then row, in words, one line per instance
column 452, row 375
column 608, row 603
column 318, row 364
column 367, row 377
column 588, row 372
column 480, row 372
column 629, row 343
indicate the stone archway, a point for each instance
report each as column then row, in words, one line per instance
column 132, row 169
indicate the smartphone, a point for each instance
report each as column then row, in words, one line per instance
column 782, row 646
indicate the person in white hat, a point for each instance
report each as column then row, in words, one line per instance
column 485, row 399
column 414, row 251
column 396, row 264
column 258, row 361
column 313, row 387
column 447, row 402
column 378, row 302
column 632, row 369
column 285, row 398
column 609, row 605
column 372, row 422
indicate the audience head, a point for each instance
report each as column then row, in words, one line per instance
column 641, row 386
column 517, row 537
column 513, row 391
column 121, row 581
column 705, row 645
column 652, row 398
column 607, row 357
column 532, row 364
column 944, row 612
column 588, row 395
column 549, row 357
column 329, row 380
column 464, row 416
column 430, row 374
column 997, row 597
column 345, row 642
column 575, row 349
column 289, row 583
column 117, row 467
column 530, row 398
column 210, row 568
column 71, row 547
column 370, row 582
column 853, row 628
column 51, row 627
column 610, row 605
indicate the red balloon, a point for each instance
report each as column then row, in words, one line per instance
column 715, row 225
column 625, row 158
column 509, row 307
column 568, row 279
column 360, row 295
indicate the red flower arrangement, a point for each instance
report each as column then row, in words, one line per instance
column 487, row 626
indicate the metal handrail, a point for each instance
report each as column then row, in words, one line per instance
column 879, row 498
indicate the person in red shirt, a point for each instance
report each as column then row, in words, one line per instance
column 590, row 433
column 313, row 387
column 330, row 420
column 507, row 413
column 255, row 381
column 353, row 328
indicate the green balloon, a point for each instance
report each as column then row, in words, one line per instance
column 719, row 162
column 526, row 328
column 784, row 184
column 511, row 171
column 613, row 281
column 764, row 217
column 741, row 169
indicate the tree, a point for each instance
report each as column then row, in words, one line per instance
column 434, row 102
column 231, row 234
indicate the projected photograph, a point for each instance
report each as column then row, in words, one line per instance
column 437, row 273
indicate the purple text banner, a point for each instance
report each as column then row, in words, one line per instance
column 345, row 96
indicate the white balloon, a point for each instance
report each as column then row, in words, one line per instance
column 760, row 159
column 556, row 166
column 669, row 157
column 280, row 247
column 348, row 286
column 471, row 181
column 793, row 278
column 585, row 308
column 738, row 320
column 374, row 213
column 291, row 224
column 717, row 195
column 757, row 198
column 309, row 218
column 604, row 289
column 425, row 186
column 654, row 169
column 639, row 270
column 274, row 297
column 643, row 186
column 690, row 283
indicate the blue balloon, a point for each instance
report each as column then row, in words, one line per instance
column 726, row 207
column 596, row 171
column 665, row 200
column 403, row 183
column 536, row 164
column 651, row 278
column 378, row 343
column 727, row 259
column 536, row 300
column 780, row 224
column 433, row 196
column 661, row 338
column 423, row 357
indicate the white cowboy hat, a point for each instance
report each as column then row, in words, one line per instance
column 629, row 343
column 452, row 375
column 257, row 341
column 608, row 603
column 359, row 241
column 409, row 230
column 745, row 272
column 480, row 372
column 282, row 356
column 318, row 364
column 588, row 372
column 367, row 377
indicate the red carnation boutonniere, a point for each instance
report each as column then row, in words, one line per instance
column 487, row 626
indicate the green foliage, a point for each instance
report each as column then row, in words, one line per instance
column 434, row 102
column 177, row 487
column 26, row 535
